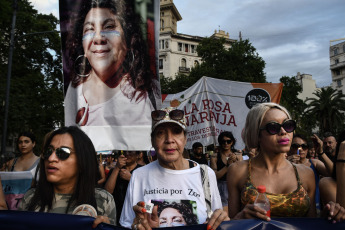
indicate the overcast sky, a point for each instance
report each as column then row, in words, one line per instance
column 290, row 35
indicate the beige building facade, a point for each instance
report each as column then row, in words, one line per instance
column 177, row 52
column 308, row 85
column 337, row 64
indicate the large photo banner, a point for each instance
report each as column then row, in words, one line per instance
column 15, row 185
column 213, row 105
column 110, row 51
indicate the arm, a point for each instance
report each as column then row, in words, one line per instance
column 111, row 182
column 101, row 170
column 3, row 205
column 221, row 172
column 340, row 171
column 323, row 169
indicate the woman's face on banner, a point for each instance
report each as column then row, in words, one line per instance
column 171, row 217
column 103, row 42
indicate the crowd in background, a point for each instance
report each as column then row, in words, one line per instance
column 303, row 174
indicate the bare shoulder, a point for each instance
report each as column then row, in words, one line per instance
column 238, row 170
column 304, row 171
column 306, row 174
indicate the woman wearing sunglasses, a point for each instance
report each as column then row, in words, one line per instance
column 290, row 188
column 299, row 150
column 220, row 162
column 170, row 178
column 68, row 176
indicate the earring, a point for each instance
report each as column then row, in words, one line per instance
column 82, row 66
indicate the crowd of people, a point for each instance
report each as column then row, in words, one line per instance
column 303, row 176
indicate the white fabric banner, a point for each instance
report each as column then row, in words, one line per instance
column 214, row 105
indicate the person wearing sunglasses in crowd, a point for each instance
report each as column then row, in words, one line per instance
column 119, row 177
column 227, row 154
column 290, row 187
column 298, row 154
column 68, row 178
column 171, row 178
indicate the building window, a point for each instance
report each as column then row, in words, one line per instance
column 162, row 14
column 186, row 48
column 179, row 46
column 335, row 51
column 196, row 63
column 162, row 24
column 183, row 63
column 192, row 48
column 160, row 63
column 337, row 72
column 339, row 83
column 336, row 61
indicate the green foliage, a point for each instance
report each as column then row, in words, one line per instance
column 36, row 96
column 327, row 109
column 241, row 62
column 293, row 104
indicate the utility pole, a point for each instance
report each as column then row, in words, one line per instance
column 9, row 70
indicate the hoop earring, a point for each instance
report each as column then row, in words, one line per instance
column 82, row 66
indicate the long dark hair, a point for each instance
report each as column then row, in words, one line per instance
column 184, row 208
column 136, row 62
column 84, row 189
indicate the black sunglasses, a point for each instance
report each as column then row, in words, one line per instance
column 274, row 127
column 62, row 153
column 226, row 141
column 175, row 114
column 296, row 146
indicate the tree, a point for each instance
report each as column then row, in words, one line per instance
column 240, row 62
column 293, row 104
column 328, row 109
column 36, row 95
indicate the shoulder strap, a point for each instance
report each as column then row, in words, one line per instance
column 14, row 162
column 206, row 187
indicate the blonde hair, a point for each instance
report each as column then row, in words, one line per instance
column 254, row 120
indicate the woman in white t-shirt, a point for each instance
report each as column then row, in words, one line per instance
column 172, row 180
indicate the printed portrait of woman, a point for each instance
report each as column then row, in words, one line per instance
column 112, row 77
column 174, row 214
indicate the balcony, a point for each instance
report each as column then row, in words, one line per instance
column 184, row 69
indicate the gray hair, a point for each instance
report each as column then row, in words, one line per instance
column 254, row 120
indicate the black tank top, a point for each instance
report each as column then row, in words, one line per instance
column 220, row 165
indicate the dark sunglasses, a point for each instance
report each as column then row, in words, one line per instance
column 274, row 127
column 62, row 153
column 158, row 115
column 296, row 146
column 226, row 141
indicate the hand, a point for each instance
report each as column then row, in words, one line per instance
column 121, row 161
column 232, row 158
column 251, row 211
column 144, row 220
column 125, row 174
column 216, row 219
column 318, row 144
column 100, row 219
column 294, row 158
column 335, row 212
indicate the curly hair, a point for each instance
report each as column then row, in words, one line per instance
column 185, row 209
column 136, row 63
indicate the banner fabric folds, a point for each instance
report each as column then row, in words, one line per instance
column 215, row 105
column 18, row 220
